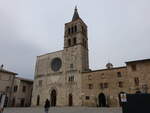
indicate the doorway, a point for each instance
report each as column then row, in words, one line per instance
column 102, row 100
column 22, row 102
column 53, row 98
column 38, row 100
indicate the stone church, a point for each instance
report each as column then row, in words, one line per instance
column 65, row 79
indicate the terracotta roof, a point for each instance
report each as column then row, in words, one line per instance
column 6, row 71
column 24, row 79
column 105, row 69
column 142, row 60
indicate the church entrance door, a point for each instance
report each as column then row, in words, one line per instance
column 70, row 100
column 53, row 98
column 102, row 100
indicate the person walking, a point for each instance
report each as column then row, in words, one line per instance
column 47, row 105
column 2, row 102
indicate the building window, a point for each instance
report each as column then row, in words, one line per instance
column 75, row 41
column 120, row 84
column 136, row 81
column 83, row 41
column 101, row 86
column 24, row 89
column 133, row 66
column 102, row 75
column 119, row 74
column 105, row 85
column 7, row 89
column 69, row 42
column 90, row 86
column 71, row 78
column 15, row 88
column 82, row 29
column 40, row 83
column 71, row 66
column 89, row 77
column 87, row 97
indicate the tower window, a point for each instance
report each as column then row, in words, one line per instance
column 69, row 42
column 85, row 43
column 75, row 28
column 69, row 31
column 74, row 41
column 72, row 30
column 24, row 89
column 40, row 83
column 82, row 29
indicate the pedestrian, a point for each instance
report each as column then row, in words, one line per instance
column 47, row 105
column 2, row 101
column 1, row 110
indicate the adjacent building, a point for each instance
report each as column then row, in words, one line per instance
column 22, row 92
column 64, row 77
column 18, row 90
column 6, row 84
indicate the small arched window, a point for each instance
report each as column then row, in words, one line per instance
column 75, row 28
column 69, row 31
column 74, row 41
column 69, row 42
column 85, row 43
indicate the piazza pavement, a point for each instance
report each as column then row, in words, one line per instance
column 63, row 110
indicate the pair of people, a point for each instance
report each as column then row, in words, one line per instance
column 47, row 105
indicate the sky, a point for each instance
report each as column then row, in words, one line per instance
column 118, row 31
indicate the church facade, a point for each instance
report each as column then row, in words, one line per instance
column 65, row 79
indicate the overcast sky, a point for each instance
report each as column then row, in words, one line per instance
column 118, row 31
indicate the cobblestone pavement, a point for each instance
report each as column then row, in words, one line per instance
column 63, row 110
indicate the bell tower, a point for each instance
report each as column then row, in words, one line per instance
column 76, row 42
column 75, row 58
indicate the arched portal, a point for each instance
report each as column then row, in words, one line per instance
column 102, row 100
column 13, row 102
column 70, row 100
column 53, row 97
column 38, row 100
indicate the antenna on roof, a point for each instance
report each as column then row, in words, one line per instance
column 2, row 66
